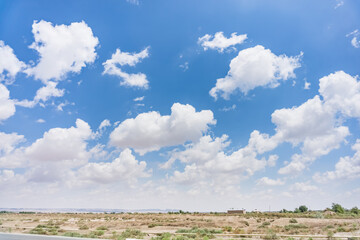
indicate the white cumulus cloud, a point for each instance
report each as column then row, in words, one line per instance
column 8, row 142
column 255, row 67
column 347, row 167
column 219, row 42
column 124, row 168
column 340, row 94
column 7, row 106
column 208, row 165
column 10, row 65
column 43, row 94
column 150, row 131
column 62, row 144
column 66, row 146
column 62, row 49
column 111, row 67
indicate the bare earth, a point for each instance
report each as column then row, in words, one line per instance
column 154, row 223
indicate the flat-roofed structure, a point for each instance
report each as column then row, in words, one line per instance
column 243, row 211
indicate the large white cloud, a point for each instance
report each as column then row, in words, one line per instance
column 111, row 67
column 10, row 65
column 63, row 154
column 316, row 126
column 301, row 125
column 66, row 147
column 317, row 122
column 124, row 168
column 150, row 131
column 10, row 180
column 7, row 106
column 207, row 161
column 8, row 142
column 347, row 167
column 62, row 49
column 62, row 144
column 341, row 92
column 219, row 42
column 255, row 67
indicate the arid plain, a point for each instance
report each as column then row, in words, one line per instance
column 181, row 226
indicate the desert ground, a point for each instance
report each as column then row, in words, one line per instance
column 164, row 226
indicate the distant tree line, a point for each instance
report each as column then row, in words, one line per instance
column 337, row 208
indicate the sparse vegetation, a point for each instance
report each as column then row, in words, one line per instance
column 47, row 229
column 103, row 228
column 227, row 229
column 72, row 234
column 83, row 227
column 264, row 224
column 337, row 208
column 200, row 232
column 271, row 236
column 294, row 226
column 293, row 220
column 131, row 233
column 193, row 226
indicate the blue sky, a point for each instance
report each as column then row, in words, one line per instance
column 194, row 105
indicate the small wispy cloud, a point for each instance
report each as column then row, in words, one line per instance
column 219, row 42
column 226, row 109
column 135, row 2
column 307, row 85
column 339, row 3
column 355, row 41
column 40, row 120
column 184, row 66
column 139, row 99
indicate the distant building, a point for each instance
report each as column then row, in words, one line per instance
column 243, row 211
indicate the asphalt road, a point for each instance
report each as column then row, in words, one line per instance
column 11, row 236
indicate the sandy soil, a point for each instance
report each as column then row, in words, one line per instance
column 158, row 223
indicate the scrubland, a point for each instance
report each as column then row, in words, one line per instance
column 184, row 226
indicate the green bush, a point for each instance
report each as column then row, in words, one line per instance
column 98, row 233
column 303, row 208
column 264, row 224
column 48, row 229
column 72, row 234
column 337, row 208
column 163, row 236
column 330, row 235
column 227, row 229
column 294, row 226
column 83, row 227
column 293, row 220
column 200, row 231
column 152, row 225
column 355, row 210
column 102, row 228
column 341, row 229
column 131, row 233
column 271, row 236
